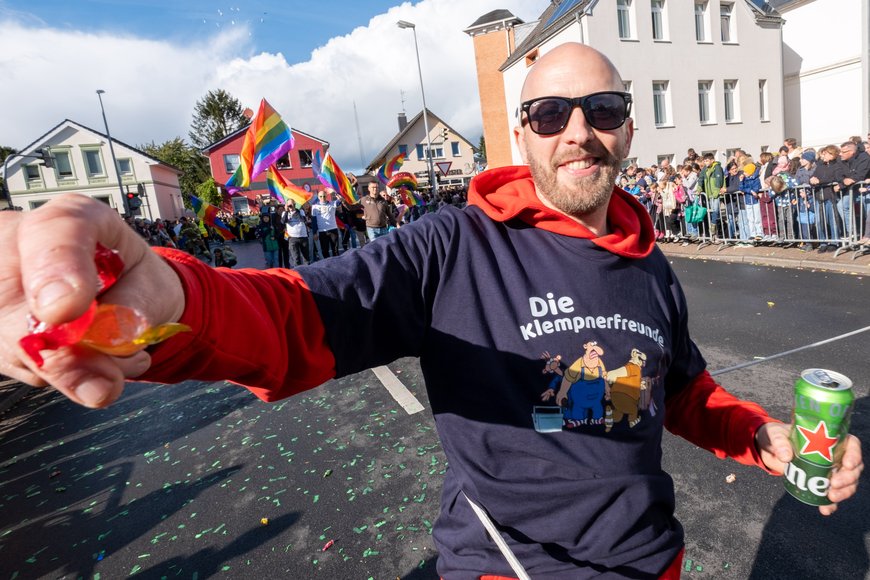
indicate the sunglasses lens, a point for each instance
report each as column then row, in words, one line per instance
column 548, row 116
column 605, row 112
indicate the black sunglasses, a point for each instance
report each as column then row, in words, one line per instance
column 605, row 111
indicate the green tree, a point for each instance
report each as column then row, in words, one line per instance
column 184, row 157
column 481, row 150
column 6, row 152
column 215, row 116
column 208, row 192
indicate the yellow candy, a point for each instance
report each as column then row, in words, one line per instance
column 122, row 331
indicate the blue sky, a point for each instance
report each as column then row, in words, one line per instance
column 156, row 58
column 292, row 27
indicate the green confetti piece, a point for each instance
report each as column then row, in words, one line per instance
column 135, row 569
column 688, row 566
column 360, row 529
column 369, row 552
column 316, row 499
column 327, row 473
column 699, row 568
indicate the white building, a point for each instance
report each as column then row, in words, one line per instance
column 705, row 74
column 826, row 64
column 452, row 154
column 83, row 164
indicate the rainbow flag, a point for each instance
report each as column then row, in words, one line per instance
column 402, row 179
column 283, row 190
column 408, row 197
column 390, row 167
column 332, row 176
column 208, row 214
column 268, row 139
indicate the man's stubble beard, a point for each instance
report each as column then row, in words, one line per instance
column 585, row 194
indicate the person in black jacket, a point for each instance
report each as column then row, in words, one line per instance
column 830, row 172
column 857, row 170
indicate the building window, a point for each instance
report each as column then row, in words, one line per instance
column 661, row 158
column 628, row 161
column 106, row 199
column 702, row 23
column 305, row 158
column 31, row 173
column 732, row 102
column 730, row 153
column 727, row 22
column 403, row 149
column 623, row 16
column 62, row 165
column 93, row 163
column 705, row 102
column 437, row 152
column 36, row 204
column 660, row 103
column 454, row 148
column 659, row 19
column 240, row 204
column 231, row 162
column 628, row 87
column 762, row 100
column 420, row 153
column 283, row 162
column 125, row 167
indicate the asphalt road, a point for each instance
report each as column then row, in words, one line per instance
column 174, row 481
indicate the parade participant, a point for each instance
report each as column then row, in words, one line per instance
column 545, row 258
column 377, row 213
column 324, row 212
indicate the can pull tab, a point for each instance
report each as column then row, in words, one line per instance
column 825, row 379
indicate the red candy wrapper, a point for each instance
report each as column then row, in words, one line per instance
column 109, row 328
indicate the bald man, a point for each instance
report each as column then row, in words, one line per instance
column 547, row 257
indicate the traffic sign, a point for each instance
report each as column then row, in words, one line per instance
column 444, row 167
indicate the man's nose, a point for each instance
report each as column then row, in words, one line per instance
column 578, row 129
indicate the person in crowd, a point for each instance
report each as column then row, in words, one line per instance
column 857, row 169
column 782, row 161
column 807, row 168
column 731, row 198
column 783, row 185
column 323, row 212
column 829, row 172
column 377, row 213
column 191, row 236
column 277, row 219
column 691, row 156
column 791, row 145
column 710, row 183
column 750, row 212
column 669, row 210
column 456, row 289
column 269, row 240
column 224, row 257
column 766, row 171
column 296, row 229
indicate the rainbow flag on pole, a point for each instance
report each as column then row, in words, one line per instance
column 283, row 190
column 332, row 176
column 386, row 170
column 208, row 214
column 267, row 139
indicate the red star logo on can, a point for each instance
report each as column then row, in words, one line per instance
column 818, row 441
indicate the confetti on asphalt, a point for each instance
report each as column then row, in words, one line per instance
column 264, row 521
column 327, row 545
column 771, row 304
column 730, row 478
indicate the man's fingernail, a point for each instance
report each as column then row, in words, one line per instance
column 91, row 393
column 52, row 292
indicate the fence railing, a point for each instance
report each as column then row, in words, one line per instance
column 806, row 216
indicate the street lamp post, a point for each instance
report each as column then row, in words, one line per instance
column 432, row 178
column 112, row 149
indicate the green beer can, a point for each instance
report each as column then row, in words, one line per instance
column 822, row 407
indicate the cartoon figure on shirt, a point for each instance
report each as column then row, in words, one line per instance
column 624, row 389
column 582, row 388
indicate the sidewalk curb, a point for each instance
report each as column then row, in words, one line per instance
column 843, row 265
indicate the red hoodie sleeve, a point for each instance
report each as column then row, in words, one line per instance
column 258, row 328
column 710, row 417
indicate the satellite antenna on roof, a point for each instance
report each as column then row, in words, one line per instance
column 402, row 96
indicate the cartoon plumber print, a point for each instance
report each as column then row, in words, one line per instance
column 590, row 395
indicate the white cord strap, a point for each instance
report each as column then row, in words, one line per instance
column 499, row 541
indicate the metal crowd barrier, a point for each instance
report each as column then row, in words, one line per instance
column 805, row 216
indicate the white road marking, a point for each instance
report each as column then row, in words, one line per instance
column 399, row 391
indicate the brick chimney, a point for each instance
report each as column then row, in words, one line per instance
column 493, row 36
column 403, row 121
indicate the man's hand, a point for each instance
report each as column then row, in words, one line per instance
column 775, row 448
column 47, row 270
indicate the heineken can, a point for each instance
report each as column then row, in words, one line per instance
column 820, row 423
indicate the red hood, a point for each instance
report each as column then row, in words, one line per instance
column 508, row 192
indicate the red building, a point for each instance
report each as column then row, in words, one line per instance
column 225, row 154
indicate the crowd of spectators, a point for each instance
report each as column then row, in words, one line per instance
column 290, row 235
column 814, row 198
column 797, row 196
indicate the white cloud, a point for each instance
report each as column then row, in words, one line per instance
column 151, row 87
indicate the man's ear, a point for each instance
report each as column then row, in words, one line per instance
column 629, row 134
column 520, row 140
